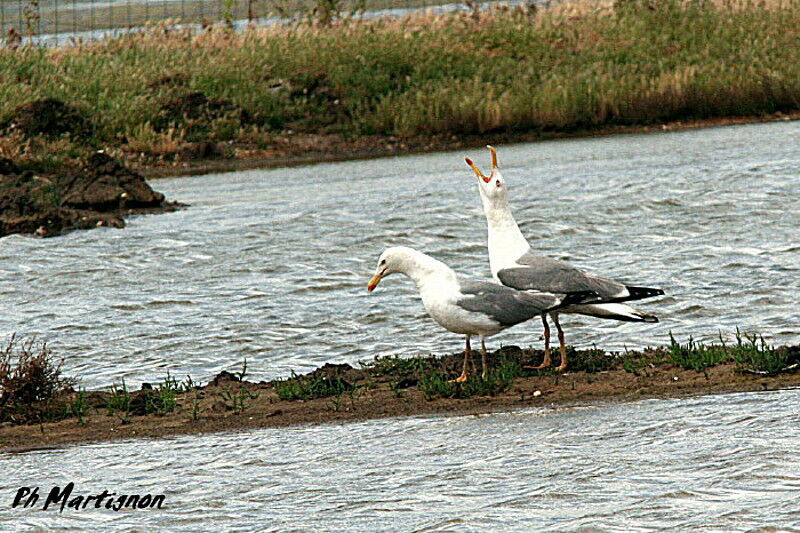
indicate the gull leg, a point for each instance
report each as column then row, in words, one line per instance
column 483, row 359
column 463, row 377
column 561, row 345
column 547, row 361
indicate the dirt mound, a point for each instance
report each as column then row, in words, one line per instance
column 196, row 113
column 99, row 193
column 50, row 117
column 104, row 184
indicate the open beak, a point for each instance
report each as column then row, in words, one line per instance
column 373, row 282
column 494, row 157
column 477, row 171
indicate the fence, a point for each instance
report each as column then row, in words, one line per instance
column 60, row 20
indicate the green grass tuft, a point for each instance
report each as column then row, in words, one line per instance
column 696, row 355
column 434, row 384
column 310, row 386
column 752, row 353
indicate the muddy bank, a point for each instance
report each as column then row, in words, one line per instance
column 304, row 149
column 100, row 191
column 392, row 386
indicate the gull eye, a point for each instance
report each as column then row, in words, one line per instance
column 383, row 262
column 498, row 183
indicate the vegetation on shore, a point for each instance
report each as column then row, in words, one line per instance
column 170, row 94
column 33, row 390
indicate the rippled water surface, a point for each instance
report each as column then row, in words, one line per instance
column 718, row 463
column 271, row 265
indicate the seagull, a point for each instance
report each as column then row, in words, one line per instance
column 468, row 307
column 514, row 264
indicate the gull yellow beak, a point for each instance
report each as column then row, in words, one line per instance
column 373, row 282
column 494, row 156
column 475, row 169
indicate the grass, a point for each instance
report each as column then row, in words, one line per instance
column 32, row 388
column 237, row 401
column 393, row 365
column 751, row 353
column 119, row 402
column 311, row 386
column 696, row 355
column 434, row 384
column 505, row 70
column 78, row 406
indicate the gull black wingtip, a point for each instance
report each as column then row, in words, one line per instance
column 639, row 293
column 579, row 297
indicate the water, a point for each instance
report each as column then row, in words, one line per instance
column 717, row 463
column 272, row 266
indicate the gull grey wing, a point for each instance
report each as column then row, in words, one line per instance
column 550, row 275
column 504, row 305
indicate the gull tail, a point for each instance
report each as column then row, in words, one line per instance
column 613, row 311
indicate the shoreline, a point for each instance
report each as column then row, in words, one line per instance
column 392, row 387
column 295, row 150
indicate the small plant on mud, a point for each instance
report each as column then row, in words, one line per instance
column 335, row 404
column 434, row 384
column 393, row 365
column 696, row 355
column 238, row 401
column 594, row 360
column 634, row 364
column 753, row 354
column 310, row 387
column 353, row 394
column 189, row 384
column 29, row 375
column 78, row 407
column 398, row 391
column 243, row 373
column 164, row 401
column 196, row 407
column 119, row 402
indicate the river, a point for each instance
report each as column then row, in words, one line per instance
column 271, row 266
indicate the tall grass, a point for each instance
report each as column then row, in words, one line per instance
column 503, row 70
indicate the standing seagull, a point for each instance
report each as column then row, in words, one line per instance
column 514, row 264
column 468, row 307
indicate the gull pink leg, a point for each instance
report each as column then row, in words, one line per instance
column 546, row 362
column 561, row 345
column 463, row 377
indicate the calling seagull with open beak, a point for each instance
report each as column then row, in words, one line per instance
column 474, row 167
column 515, row 265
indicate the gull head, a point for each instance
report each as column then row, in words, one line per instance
column 493, row 188
column 392, row 260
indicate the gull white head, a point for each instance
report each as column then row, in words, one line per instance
column 423, row 269
column 393, row 260
column 493, row 188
